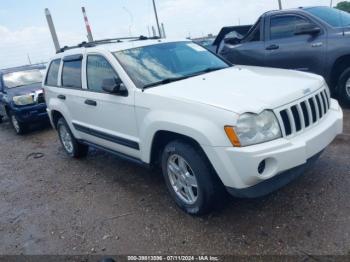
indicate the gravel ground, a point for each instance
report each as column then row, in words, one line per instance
column 51, row 204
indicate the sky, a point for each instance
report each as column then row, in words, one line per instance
column 24, row 34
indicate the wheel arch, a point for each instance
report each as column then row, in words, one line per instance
column 163, row 137
column 339, row 65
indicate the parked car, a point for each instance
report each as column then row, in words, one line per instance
column 21, row 96
column 206, row 42
column 312, row 39
column 208, row 125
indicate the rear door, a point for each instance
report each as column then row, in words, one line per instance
column 284, row 49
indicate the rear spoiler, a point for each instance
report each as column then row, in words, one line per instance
column 241, row 29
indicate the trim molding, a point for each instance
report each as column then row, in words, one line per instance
column 115, row 139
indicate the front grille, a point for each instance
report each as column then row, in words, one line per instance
column 303, row 114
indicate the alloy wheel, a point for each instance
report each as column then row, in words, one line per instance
column 182, row 179
column 66, row 139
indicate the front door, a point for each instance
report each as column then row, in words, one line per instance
column 284, row 49
column 106, row 119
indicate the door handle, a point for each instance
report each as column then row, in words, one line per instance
column 90, row 102
column 62, row 97
column 272, row 47
column 319, row 44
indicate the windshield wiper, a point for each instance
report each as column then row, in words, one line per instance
column 165, row 81
column 174, row 79
column 26, row 84
column 207, row 70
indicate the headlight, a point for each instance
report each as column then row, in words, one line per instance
column 254, row 129
column 23, row 100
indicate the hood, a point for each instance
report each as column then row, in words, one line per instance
column 243, row 89
column 23, row 90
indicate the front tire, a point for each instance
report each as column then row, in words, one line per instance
column 344, row 86
column 19, row 127
column 190, row 179
column 71, row 145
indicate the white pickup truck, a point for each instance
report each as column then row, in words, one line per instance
column 208, row 124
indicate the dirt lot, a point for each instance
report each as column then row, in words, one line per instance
column 103, row 205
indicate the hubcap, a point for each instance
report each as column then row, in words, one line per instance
column 182, row 179
column 15, row 123
column 347, row 87
column 66, row 139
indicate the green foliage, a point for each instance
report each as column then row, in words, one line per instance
column 345, row 6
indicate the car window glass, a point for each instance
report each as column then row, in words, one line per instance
column 254, row 34
column 151, row 64
column 97, row 70
column 284, row 26
column 52, row 74
column 331, row 16
column 71, row 74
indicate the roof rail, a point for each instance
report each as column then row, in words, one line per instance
column 106, row 41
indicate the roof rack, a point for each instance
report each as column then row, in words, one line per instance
column 106, row 41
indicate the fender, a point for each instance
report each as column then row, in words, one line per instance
column 205, row 132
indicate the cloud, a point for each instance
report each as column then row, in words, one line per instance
column 35, row 42
column 180, row 17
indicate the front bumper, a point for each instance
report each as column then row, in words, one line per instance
column 32, row 113
column 238, row 167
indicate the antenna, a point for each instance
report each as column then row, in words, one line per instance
column 88, row 28
column 52, row 29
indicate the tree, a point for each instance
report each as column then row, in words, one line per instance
column 345, row 6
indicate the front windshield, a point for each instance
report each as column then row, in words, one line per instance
column 331, row 16
column 156, row 63
column 22, row 78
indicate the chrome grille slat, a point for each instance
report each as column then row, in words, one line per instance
column 291, row 120
column 301, row 115
column 309, row 111
column 316, row 108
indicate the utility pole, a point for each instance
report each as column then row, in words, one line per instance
column 88, row 28
column 280, row 4
column 30, row 62
column 156, row 15
column 331, row 3
column 52, row 29
column 163, row 31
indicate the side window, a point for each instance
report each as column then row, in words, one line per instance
column 71, row 73
column 254, row 34
column 97, row 70
column 284, row 26
column 52, row 73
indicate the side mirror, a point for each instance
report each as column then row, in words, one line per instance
column 232, row 40
column 114, row 86
column 307, row 29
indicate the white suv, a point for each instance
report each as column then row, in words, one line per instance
column 209, row 125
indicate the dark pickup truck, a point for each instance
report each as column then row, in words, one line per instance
column 311, row 39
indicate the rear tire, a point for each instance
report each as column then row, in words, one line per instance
column 344, row 86
column 19, row 127
column 70, row 144
column 190, row 179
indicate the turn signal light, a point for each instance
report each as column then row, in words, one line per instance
column 231, row 134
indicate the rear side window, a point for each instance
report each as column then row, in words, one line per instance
column 52, row 74
column 284, row 26
column 97, row 70
column 71, row 74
